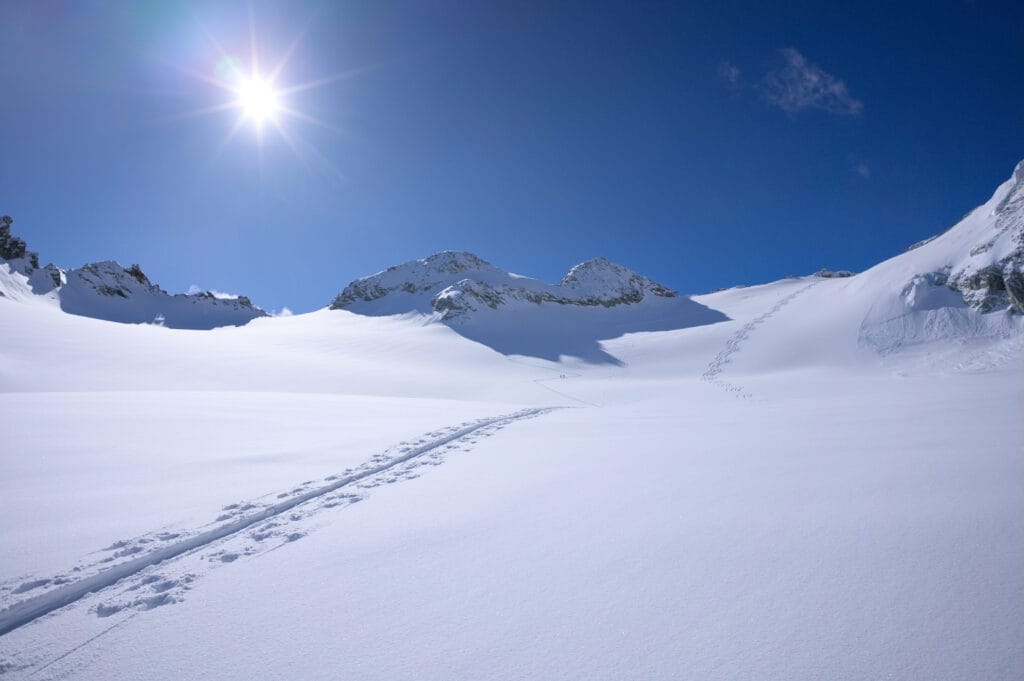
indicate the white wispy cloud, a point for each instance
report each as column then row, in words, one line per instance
column 801, row 84
column 863, row 169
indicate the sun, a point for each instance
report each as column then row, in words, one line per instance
column 258, row 100
column 262, row 97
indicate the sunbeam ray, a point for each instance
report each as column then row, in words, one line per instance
column 293, row 113
column 283, row 61
column 327, row 80
column 210, row 38
column 204, row 111
column 254, row 54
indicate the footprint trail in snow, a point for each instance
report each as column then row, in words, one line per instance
column 714, row 371
column 143, row 571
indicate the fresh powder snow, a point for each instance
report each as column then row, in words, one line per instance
column 453, row 471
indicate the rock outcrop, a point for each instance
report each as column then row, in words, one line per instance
column 826, row 273
column 990, row 276
column 965, row 283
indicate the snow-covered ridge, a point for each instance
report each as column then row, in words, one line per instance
column 107, row 290
column 456, row 284
column 982, row 256
column 966, row 282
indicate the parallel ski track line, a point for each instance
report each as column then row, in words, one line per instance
column 27, row 611
column 542, row 381
column 732, row 346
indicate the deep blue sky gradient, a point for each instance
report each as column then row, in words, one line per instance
column 535, row 134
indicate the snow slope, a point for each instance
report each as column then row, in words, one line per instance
column 948, row 300
column 796, row 486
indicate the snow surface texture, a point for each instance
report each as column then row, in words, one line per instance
column 378, row 495
column 106, row 290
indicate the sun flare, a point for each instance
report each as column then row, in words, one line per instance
column 258, row 100
column 262, row 97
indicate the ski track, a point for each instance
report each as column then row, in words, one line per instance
column 157, row 589
column 542, row 382
column 714, row 371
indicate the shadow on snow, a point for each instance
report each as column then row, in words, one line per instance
column 551, row 331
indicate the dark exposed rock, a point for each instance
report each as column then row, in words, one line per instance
column 136, row 272
column 997, row 284
column 11, row 247
column 980, row 289
column 826, row 273
column 14, row 247
column 1013, row 281
column 359, row 291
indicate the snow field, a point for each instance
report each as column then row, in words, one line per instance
column 232, row 494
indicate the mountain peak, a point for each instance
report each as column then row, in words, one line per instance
column 599, row 276
column 454, row 261
column 457, row 284
column 107, row 290
column 410, row 286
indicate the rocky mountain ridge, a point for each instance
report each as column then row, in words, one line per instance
column 456, row 284
column 964, row 284
column 956, row 280
column 107, row 290
column 987, row 269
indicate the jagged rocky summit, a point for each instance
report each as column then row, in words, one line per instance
column 457, row 284
column 106, row 290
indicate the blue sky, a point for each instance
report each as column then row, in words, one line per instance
column 702, row 144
